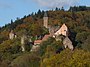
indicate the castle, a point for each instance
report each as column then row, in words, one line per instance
column 63, row 30
column 53, row 32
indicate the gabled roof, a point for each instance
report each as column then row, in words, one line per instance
column 40, row 41
column 45, row 37
column 62, row 29
column 63, row 26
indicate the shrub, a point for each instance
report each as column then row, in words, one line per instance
column 67, row 58
column 26, row 60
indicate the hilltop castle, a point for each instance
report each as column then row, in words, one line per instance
column 53, row 32
column 63, row 30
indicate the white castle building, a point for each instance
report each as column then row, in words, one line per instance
column 62, row 31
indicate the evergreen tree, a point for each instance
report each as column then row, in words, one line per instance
column 62, row 9
column 56, row 9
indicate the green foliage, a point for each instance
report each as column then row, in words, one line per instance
column 78, row 8
column 51, row 45
column 44, row 45
column 86, row 44
column 78, row 22
column 26, row 60
column 2, row 38
column 68, row 58
column 81, row 37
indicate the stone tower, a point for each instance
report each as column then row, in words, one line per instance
column 45, row 20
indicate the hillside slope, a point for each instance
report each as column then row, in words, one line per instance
column 51, row 50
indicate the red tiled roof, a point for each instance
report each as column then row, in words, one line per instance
column 45, row 37
column 40, row 41
column 37, row 41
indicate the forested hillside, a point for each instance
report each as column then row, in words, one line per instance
column 51, row 52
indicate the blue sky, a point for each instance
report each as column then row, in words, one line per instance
column 11, row 9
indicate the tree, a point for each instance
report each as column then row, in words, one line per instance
column 81, row 37
column 86, row 44
column 68, row 58
column 39, row 12
column 62, row 9
column 26, row 60
column 74, row 16
column 56, row 9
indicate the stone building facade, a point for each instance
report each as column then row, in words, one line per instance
column 62, row 31
column 12, row 35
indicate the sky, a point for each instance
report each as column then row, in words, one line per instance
column 11, row 9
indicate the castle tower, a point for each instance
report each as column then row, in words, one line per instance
column 45, row 20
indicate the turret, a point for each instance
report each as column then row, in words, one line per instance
column 45, row 20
